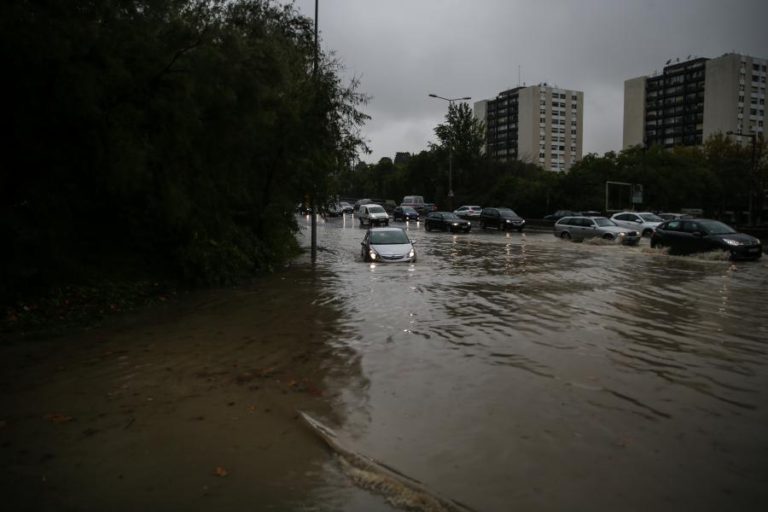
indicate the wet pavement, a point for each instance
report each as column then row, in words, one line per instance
column 503, row 370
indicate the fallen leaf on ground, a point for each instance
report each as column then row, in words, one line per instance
column 220, row 471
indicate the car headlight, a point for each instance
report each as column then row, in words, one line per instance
column 411, row 253
column 373, row 254
column 731, row 241
column 455, row 223
column 622, row 234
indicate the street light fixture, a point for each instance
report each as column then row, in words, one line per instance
column 450, row 148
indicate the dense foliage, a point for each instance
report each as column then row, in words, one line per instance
column 720, row 178
column 169, row 136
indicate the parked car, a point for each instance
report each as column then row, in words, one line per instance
column 468, row 212
column 405, row 213
column 446, row 221
column 644, row 222
column 559, row 214
column 333, row 210
column 372, row 215
column 361, row 202
column 346, row 207
column 501, row 218
column 686, row 236
column 580, row 227
column 387, row 245
column 415, row 202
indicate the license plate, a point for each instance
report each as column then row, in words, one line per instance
column 754, row 249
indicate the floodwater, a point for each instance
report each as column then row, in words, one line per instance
column 506, row 371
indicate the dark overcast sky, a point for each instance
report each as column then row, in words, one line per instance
column 403, row 50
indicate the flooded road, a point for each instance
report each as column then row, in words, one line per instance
column 505, row 371
column 519, row 371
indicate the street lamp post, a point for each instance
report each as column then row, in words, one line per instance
column 313, row 223
column 752, row 173
column 450, row 148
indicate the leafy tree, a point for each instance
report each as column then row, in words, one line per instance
column 170, row 137
column 461, row 137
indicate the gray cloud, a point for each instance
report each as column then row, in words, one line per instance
column 404, row 49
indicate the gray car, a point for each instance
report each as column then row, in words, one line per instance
column 579, row 228
column 387, row 245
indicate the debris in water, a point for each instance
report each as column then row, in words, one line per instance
column 399, row 489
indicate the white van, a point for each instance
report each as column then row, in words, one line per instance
column 372, row 215
column 415, row 202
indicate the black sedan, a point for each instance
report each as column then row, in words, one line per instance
column 446, row 221
column 686, row 236
column 501, row 219
column 405, row 213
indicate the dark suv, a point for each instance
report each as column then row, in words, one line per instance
column 501, row 218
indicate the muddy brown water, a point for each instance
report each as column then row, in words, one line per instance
column 506, row 371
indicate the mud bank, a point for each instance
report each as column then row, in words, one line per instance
column 186, row 406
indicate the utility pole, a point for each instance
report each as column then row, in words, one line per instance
column 313, row 215
column 450, row 148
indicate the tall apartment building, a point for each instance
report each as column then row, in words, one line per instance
column 539, row 124
column 692, row 100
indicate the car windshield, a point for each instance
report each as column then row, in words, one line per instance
column 602, row 222
column 408, row 209
column 450, row 216
column 714, row 227
column 376, row 209
column 507, row 213
column 389, row 237
column 649, row 217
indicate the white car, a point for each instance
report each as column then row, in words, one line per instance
column 468, row 212
column 644, row 222
column 372, row 215
column 387, row 245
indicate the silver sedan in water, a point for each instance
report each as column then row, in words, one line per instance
column 579, row 227
column 387, row 245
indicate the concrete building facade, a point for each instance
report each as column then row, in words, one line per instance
column 539, row 124
column 692, row 100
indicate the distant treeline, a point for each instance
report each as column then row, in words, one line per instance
column 162, row 136
column 718, row 177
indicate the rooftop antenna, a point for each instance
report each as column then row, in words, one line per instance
column 518, row 75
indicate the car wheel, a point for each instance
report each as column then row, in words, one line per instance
column 565, row 235
column 647, row 232
column 607, row 237
column 427, row 227
column 482, row 225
